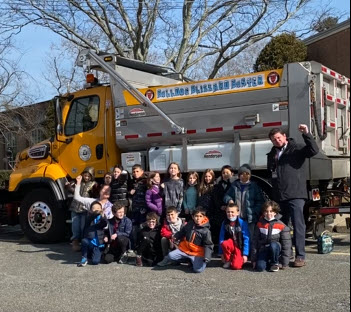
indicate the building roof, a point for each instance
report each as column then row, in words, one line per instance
column 331, row 31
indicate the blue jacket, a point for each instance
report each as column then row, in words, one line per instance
column 124, row 228
column 242, row 235
column 249, row 201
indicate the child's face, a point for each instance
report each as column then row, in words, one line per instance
column 151, row 223
column 232, row 212
column 173, row 171
column 137, row 173
column 208, row 177
column 119, row 214
column 105, row 192
column 269, row 213
column 172, row 217
column 244, row 177
column 198, row 218
column 192, row 179
column 157, row 179
column 116, row 173
column 96, row 208
column 107, row 179
column 226, row 174
column 86, row 177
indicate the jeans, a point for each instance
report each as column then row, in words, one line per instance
column 268, row 255
column 294, row 208
column 92, row 250
column 198, row 262
column 78, row 224
column 119, row 246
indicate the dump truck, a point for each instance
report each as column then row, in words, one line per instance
column 150, row 115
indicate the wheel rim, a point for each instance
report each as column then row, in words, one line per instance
column 40, row 217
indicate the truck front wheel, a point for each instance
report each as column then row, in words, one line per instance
column 41, row 217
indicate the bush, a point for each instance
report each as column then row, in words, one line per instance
column 4, row 177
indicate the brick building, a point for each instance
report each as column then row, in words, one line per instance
column 331, row 48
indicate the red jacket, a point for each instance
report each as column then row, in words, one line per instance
column 166, row 230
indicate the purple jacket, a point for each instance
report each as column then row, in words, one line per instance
column 154, row 200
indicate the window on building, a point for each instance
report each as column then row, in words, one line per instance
column 11, row 145
column 83, row 115
column 37, row 136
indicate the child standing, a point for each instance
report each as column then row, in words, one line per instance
column 247, row 195
column 221, row 187
column 148, row 245
column 119, row 229
column 78, row 211
column 191, row 194
column 271, row 241
column 174, row 187
column 119, row 186
column 195, row 242
column 154, row 194
column 172, row 225
column 93, row 240
column 108, row 178
column 234, row 239
column 206, row 190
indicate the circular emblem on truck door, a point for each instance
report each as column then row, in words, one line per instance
column 84, row 152
column 273, row 78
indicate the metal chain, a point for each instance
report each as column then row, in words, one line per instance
column 322, row 134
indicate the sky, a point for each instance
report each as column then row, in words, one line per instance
column 35, row 45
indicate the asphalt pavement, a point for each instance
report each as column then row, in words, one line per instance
column 38, row 278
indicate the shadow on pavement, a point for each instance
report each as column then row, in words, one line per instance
column 61, row 252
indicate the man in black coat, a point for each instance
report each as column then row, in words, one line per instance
column 286, row 164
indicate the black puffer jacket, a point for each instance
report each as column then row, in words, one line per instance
column 290, row 168
column 119, row 189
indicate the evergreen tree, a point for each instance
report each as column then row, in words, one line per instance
column 282, row 49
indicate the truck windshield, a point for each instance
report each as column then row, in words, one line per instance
column 83, row 115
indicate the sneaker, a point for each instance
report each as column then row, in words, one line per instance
column 299, row 263
column 226, row 265
column 165, row 262
column 274, row 268
column 83, row 262
column 124, row 259
column 138, row 261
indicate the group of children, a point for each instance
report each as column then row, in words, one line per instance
column 169, row 222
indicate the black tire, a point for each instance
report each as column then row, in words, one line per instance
column 41, row 217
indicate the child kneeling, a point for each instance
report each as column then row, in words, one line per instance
column 234, row 239
column 93, row 241
column 195, row 242
column 149, row 242
column 171, row 226
column 272, row 240
column 118, row 233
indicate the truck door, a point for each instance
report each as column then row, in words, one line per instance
column 82, row 142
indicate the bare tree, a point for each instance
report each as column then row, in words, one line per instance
column 180, row 33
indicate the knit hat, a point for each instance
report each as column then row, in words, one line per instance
column 244, row 168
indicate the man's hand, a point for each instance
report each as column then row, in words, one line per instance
column 303, row 128
column 79, row 179
column 113, row 237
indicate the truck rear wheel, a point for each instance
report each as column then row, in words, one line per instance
column 41, row 217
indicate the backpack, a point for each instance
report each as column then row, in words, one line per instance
column 325, row 243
